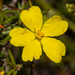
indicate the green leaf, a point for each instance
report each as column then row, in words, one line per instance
column 18, row 17
column 45, row 11
column 13, row 11
column 10, row 72
column 11, row 64
column 30, row 3
column 6, row 17
column 10, row 18
column 12, row 58
column 2, row 68
column 45, row 18
column 1, row 16
column 15, row 73
column 24, row 6
column 5, row 39
column 19, row 6
column 8, row 59
column 2, row 55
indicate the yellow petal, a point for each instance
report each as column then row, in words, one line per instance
column 32, row 18
column 32, row 50
column 21, row 39
column 16, row 31
column 54, row 26
column 53, row 48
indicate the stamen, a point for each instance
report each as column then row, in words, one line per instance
column 39, row 35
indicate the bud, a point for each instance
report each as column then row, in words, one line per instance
column 71, row 6
column 67, row 5
column 69, row 10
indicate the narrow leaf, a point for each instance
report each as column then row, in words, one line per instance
column 12, row 58
column 45, row 11
column 19, row 6
column 13, row 11
column 2, row 68
column 10, row 72
column 2, row 55
column 5, row 39
column 24, row 6
column 15, row 73
column 45, row 18
column 1, row 17
column 11, row 18
column 30, row 3
column 11, row 64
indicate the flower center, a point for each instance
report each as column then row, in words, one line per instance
column 39, row 35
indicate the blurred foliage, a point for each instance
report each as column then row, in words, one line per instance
column 10, row 60
column 70, row 8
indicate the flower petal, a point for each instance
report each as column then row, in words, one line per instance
column 54, row 26
column 32, row 18
column 21, row 39
column 16, row 31
column 53, row 48
column 32, row 50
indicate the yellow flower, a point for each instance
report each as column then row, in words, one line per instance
column 1, row 72
column 36, row 35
